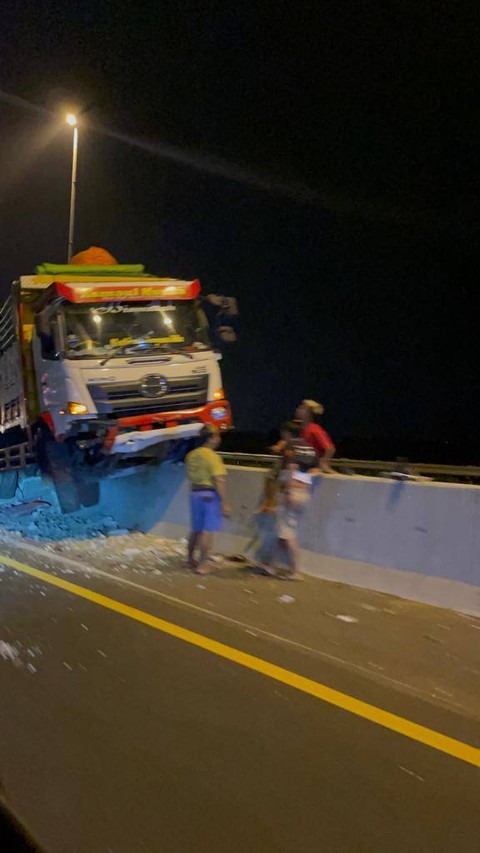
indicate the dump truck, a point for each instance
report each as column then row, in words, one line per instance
column 104, row 368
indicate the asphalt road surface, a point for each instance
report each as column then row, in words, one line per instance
column 121, row 734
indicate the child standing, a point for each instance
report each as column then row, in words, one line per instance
column 295, row 494
column 288, row 491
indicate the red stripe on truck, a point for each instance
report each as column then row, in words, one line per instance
column 203, row 415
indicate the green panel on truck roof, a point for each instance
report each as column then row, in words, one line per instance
column 87, row 269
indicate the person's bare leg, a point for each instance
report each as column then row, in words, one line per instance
column 270, row 567
column 291, row 547
column 205, row 545
column 192, row 544
column 288, row 550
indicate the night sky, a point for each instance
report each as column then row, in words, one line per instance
column 319, row 161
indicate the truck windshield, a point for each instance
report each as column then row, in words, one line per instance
column 93, row 331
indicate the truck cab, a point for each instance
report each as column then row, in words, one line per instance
column 118, row 367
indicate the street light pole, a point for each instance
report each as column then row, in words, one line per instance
column 72, row 121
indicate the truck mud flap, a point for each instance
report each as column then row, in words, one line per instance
column 63, row 476
column 89, row 492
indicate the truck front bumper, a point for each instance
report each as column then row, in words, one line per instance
column 136, row 441
column 139, row 432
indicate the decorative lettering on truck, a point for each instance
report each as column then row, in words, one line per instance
column 170, row 292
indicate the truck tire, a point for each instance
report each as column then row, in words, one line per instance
column 63, row 476
column 8, row 484
column 54, row 458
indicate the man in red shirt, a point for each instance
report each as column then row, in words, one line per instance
column 308, row 413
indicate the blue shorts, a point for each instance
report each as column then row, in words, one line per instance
column 206, row 511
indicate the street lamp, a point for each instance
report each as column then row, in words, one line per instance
column 71, row 120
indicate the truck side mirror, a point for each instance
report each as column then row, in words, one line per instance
column 227, row 334
column 225, row 305
column 222, row 313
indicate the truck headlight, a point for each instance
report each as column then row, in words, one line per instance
column 219, row 395
column 77, row 409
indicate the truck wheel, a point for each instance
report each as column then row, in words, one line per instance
column 54, row 459
column 63, row 476
column 8, row 484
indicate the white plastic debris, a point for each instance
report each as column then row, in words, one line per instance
column 7, row 651
column 344, row 618
column 411, row 773
column 286, row 599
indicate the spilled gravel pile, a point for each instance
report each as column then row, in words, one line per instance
column 45, row 522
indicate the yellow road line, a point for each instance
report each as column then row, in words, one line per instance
column 400, row 725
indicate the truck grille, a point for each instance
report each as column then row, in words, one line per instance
column 125, row 399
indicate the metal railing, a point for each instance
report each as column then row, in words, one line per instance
column 15, row 458
column 379, row 468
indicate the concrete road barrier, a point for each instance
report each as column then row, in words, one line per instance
column 416, row 540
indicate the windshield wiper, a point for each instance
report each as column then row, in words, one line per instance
column 124, row 348
column 162, row 349
column 146, row 346
column 177, row 352
column 84, row 354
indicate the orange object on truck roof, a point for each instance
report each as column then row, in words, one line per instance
column 93, row 256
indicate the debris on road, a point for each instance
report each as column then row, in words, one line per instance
column 411, row 773
column 7, row 651
column 346, row 618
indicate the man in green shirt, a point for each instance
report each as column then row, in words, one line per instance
column 208, row 503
